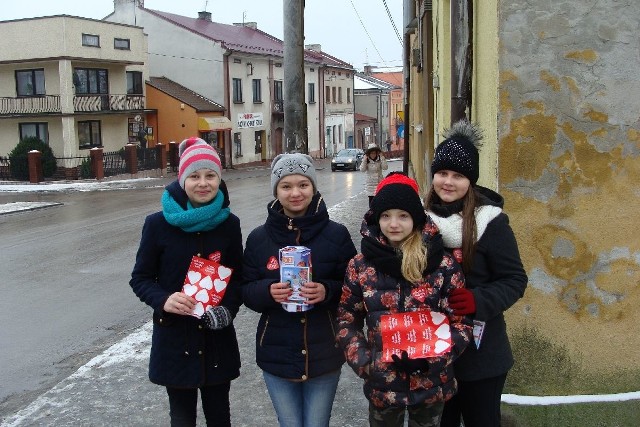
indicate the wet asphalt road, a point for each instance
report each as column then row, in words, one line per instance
column 65, row 272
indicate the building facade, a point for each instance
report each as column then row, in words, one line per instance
column 549, row 83
column 74, row 83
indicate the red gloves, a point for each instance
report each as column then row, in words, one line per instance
column 462, row 302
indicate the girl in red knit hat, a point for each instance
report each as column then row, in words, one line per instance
column 399, row 285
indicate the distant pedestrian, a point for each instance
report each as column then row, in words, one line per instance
column 142, row 137
column 373, row 164
column 475, row 228
column 296, row 350
column 388, row 144
column 402, row 269
column 190, row 353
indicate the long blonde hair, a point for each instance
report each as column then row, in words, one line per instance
column 414, row 257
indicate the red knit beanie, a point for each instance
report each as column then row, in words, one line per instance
column 398, row 191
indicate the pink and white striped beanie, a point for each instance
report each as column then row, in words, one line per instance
column 196, row 154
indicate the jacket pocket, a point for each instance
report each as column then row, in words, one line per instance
column 161, row 318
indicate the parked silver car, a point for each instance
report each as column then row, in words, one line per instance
column 347, row 159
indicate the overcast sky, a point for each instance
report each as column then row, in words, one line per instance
column 357, row 31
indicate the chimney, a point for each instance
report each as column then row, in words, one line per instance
column 314, row 47
column 367, row 70
column 204, row 15
column 252, row 25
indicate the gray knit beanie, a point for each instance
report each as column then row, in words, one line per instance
column 292, row 164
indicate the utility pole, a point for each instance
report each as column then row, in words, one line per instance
column 295, row 109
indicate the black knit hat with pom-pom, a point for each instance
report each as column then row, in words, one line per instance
column 459, row 151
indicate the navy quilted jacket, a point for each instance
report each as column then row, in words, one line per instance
column 184, row 353
column 301, row 345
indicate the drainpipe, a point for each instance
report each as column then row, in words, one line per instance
column 409, row 16
column 461, row 58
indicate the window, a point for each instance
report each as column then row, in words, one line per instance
column 237, row 141
column 89, row 134
column 312, row 93
column 91, row 81
column 277, row 90
column 90, row 40
column 39, row 130
column 340, row 94
column 134, row 83
column 257, row 90
column 348, row 95
column 237, row 90
column 327, row 97
column 30, row 82
column 122, row 44
column 333, row 94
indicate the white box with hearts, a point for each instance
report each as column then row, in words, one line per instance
column 420, row 333
column 206, row 281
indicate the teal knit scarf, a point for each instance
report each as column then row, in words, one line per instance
column 193, row 219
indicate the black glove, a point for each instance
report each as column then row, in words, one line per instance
column 217, row 317
column 409, row 366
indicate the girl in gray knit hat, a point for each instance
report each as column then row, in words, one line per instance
column 296, row 350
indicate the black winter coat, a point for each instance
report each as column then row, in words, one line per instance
column 297, row 346
column 497, row 280
column 184, row 353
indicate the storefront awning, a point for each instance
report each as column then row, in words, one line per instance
column 214, row 124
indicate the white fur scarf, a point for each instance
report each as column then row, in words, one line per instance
column 451, row 227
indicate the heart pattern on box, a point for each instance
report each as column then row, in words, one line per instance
column 421, row 334
column 206, row 281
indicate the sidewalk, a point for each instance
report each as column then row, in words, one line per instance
column 113, row 388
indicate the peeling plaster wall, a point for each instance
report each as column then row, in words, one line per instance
column 569, row 146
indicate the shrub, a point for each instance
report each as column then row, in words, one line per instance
column 85, row 168
column 19, row 164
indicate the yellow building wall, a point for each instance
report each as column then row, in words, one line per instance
column 561, row 145
column 176, row 120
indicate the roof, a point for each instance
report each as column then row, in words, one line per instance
column 237, row 38
column 363, row 118
column 364, row 82
column 182, row 94
column 395, row 78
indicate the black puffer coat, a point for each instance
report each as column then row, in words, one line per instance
column 297, row 346
column 373, row 288
column 184, row 353
column 497, row 280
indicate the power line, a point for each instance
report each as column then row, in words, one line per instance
column 365, row 30
column 392, row 22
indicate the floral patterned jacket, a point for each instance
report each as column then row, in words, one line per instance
column 372, row 289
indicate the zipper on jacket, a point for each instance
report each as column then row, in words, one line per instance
column 264, row 331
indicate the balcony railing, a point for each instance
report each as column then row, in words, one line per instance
column 89, row 103
column 278, row 106
column 81, row 104
column 30, row 105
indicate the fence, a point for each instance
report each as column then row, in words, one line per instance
column 121, row 162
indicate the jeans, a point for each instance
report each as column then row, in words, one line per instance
column 183, row 404
column 303, row 403
column 419, row 415
column 478, row 402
